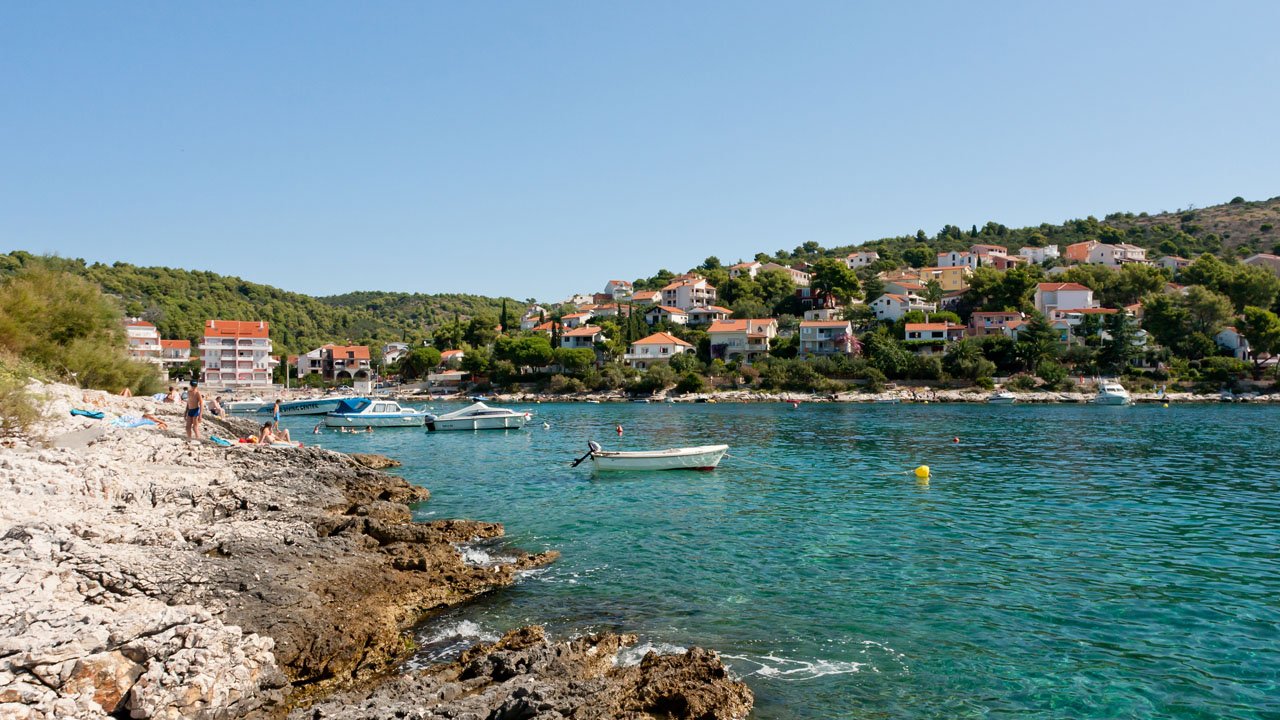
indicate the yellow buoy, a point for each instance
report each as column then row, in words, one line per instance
column 1166, row 404
column 922, row 471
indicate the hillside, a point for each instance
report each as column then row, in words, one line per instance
column 1238, row 228
column 179, row 302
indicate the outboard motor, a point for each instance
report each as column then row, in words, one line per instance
column 595, row 446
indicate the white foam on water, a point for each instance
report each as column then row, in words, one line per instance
column 461, row 630
column 630, row 656
column 781, row 668
column 478, row 557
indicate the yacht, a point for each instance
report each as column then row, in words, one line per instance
column 1112, row 393
column 364, row 412
column 1004, row 397
column 478, row 416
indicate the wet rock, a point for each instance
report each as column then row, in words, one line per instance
column 374, row 462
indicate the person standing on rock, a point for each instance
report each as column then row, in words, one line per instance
column 195, row 406
column 275, row 416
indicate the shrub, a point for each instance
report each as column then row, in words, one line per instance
column 1223, row 369
column 1022, row 383
column 691, row 383
column 1052, row 373
column 562, row 384
column 18, row 409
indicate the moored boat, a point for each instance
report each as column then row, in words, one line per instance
column 704, row 457
column 478, row 416
column 363, row 412
column 248, row 405
column 1004, row 397
column 1112, row 393
column 315, row 406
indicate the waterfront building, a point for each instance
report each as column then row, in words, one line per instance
column 175, row 353
column 658, row 347
column 743, row 340
column 826, row 337
column 237, row 354
column 144, row 340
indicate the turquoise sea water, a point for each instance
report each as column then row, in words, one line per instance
column 1062, row 562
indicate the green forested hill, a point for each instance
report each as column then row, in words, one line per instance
column 179, row 302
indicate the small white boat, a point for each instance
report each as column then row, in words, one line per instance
column 705, row 457
column 1112, row 393
column 316, row 406
column 1004, row 397
column 245, row 406
column 363, row 412
column 478, row 416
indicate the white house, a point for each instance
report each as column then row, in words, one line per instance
column 618, row 289
column 800, row 277
column 451, row 358
column 1038, row 254
column 237, row 353
column 1173, row 262
column 744, row 268
column 582, row 337
column 936, row 335
column 688, row 293
column 993, row 323
column 983, row 250
column 175, row 353
column 956, row 258
column 826, row 337
column 1116, row 255
column 578, row 319
column 892, row 306
column 646, row 297
column 658, row 347
column 708, row 315
column 832, row 312
column 664, row 313
column 144, row 340
column 744, row 340
column 1064, row 295
column 861, row 259
column 1232, row 340
column 578, row 299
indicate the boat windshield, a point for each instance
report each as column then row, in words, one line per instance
column 353, row 405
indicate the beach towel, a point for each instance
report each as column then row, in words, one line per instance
column 159, row 397
column 95, row 414
column 220, row 442
column 130, row 421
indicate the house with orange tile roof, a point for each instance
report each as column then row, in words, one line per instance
column 689, row 292
column 992, row 323
column 932, row 338
column 749, row 269
column 666, row 313
column 585, row 336
column 827, row 337
column 1265, row 260
column 143, row 339
column 578, row 319
column 175, row 353
column 745, row 340
column 451, row 358
column 1038, row 255
column 861, row 259
column 892, row 306
column 709, row 314
column 1053, row 295
column 1079, row 252
column 658, row 347
column 646, row 297
column 237, row 354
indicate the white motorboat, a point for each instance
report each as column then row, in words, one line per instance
column 363, row 412
column 705, row 457
column 315, row 406
column 1112, row 393
column 245, row 406
column 1004, row 397
column 478, row 416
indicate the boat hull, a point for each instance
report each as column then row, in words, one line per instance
column 699, row 458
column 1001, row 401
column 1111, row 400
column 245, row 406
column 359, row 421
column 504, row 422
column 303, row 407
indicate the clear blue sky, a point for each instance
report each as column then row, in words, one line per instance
column 539, row 148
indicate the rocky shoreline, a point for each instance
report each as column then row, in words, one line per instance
column 151, row 577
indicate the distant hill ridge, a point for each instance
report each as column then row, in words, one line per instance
column 179, row 302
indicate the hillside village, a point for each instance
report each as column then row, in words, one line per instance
column 1042, row 314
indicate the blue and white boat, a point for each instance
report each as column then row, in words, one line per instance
column 364, row 412
column 315, row 406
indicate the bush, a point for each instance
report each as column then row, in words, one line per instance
column 691, row 383
column 1223, row 369
column 562, row 384
column 1053, row 374
column 1022, row 383
column 18, row 409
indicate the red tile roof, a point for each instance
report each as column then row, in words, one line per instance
column 584, row 331
column 1055, row 287
column 175, row 344
column 358, row 352
column 661, row 338
column 138, row 323
column 669, row 309
column 450, row 354
column 824, row 323
column 236, row 328
column 933, row 326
